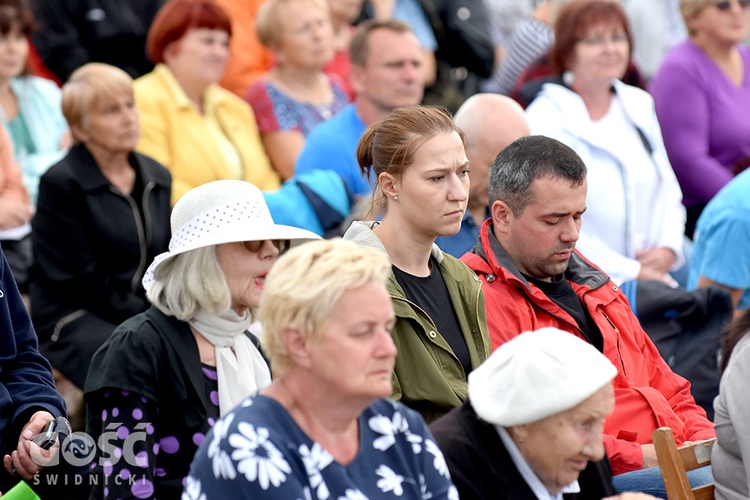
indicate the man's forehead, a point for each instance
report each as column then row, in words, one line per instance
column 557, row 196
column 402, row 45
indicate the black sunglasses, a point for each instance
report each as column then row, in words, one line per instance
column 281, row 245
column 727, row 4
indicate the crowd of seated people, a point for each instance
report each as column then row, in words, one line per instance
column 149, row 253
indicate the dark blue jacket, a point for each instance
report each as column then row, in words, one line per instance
column 26, row 383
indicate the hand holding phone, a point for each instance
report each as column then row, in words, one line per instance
column 51, row 432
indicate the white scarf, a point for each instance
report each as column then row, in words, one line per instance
column 240, row 368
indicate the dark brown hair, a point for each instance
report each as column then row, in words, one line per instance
column 18, row 13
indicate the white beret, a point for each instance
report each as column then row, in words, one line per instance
column 536, row 375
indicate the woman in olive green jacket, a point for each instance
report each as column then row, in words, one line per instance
column 417, row 155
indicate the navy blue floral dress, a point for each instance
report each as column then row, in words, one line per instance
column 258, row 451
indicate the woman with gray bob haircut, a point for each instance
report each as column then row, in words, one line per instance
column 175, row 369
column 324, row 429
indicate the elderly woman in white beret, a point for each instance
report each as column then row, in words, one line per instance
column 165, row 376
column 324, row 428
column 532, row 426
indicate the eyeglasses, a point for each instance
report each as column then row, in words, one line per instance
column 725, row 5
column 600, row 40
column 255, row 246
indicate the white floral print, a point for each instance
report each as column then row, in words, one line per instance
column 439, row 461
column 192, row 490
column 415, row 440
column 316, row 459
column 452, row 493
column 426, row 495
column 388, row 428
column 390, row 480
column 353, row 495
column 257, row 457
column 258, row 450
column 221, row 464
column 247, row 402
column 306, row 494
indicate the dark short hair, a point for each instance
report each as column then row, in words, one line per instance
column 527, row 159
column 177, row 17
column 574, row 21
column 16, row 13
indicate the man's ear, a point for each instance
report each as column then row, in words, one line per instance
column 297, row 344
column 388, row 185
column 502, row 216
column 357, row 79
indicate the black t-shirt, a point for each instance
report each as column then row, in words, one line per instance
column 431, row 294
column 561, row 293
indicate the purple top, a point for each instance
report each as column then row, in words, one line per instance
column 705, row 119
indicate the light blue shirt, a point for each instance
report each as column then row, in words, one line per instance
column 332, row 145
column 722, row 239
column 39, row 105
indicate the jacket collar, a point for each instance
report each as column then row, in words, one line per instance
column 90, row 177
column 212, row 98
column 497, row 261
column 361, row 233
column 635, row 105
column 185, row 349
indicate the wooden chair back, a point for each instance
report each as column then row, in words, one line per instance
column 674, row 463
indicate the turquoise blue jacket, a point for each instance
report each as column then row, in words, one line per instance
column 39, row 106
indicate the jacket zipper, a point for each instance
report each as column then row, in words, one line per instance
column 65, row 321
column 135, row 281
column 619, row 350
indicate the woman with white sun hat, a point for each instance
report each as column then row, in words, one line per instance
column 171, row 371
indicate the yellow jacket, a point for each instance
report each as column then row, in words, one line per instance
column 175, row 134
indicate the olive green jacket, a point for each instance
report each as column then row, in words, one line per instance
column 428, row 376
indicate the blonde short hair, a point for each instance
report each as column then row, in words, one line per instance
column 304, row 287
column 89, row 85
column 689, row 8
column 190, row 282
column 270, row 19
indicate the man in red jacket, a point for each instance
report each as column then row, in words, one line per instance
column 533, row 277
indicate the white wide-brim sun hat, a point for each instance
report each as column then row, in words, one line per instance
column 225, row 211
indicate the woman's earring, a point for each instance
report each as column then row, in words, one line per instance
column 395, row 197
column 567, row 78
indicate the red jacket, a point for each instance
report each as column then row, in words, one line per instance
column 648, row 394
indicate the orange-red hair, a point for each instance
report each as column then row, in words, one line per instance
column 177, row 17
